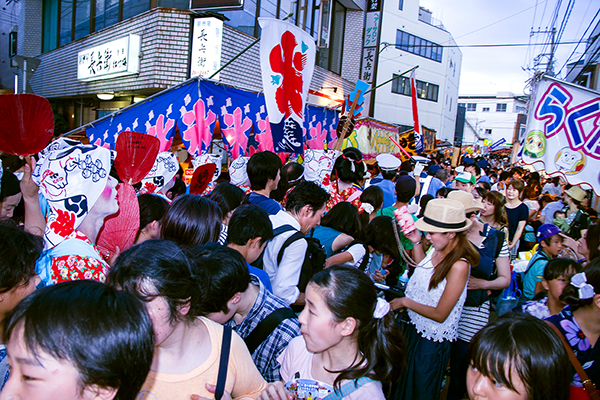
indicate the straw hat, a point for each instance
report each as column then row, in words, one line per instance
column 444, row 215
column 576, row 193
column 466, row 199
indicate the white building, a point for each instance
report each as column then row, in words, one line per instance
column 494, row 117
column 410, row 37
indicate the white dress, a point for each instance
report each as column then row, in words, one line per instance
column 417, row 290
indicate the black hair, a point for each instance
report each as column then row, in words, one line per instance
column 177, row 190
column 349, row 293
column 406, row 188
column 570, row 294
column 379, row 234
column 261, row 167
column 152, row 208
column 348, row 167
column 159, row 268
column 481, row 191
column 228, row 197
column 592, row 239
column 248, row 222
column 559, row 212
column 558, row 267
column 9, row 185
column 343, row 217
column 192, row 220
column 423, row 203
column 504, row 175
column 526, row 345
column 306, row 193
column 18, row 255
column 477, row 168
column 224, row 272
column 389, row 174
column 112, row 349
column 443, row 191
column 291, row 174
column 372, row 195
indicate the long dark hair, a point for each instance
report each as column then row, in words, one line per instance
column 379, row 234
column 570, row 294
column 499, row 201
column 522, row 343
column 381, row 346
column 343, row 217
column 592, row 239
column 463, row 248
column 192, row 220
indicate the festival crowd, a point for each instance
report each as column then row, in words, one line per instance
column 370, row 279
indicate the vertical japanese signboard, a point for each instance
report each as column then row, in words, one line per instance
column 109, row 60
column 207, row 37
column 371, row 39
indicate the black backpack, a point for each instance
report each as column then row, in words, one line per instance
column 314, row 259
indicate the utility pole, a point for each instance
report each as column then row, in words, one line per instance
column 538, row 59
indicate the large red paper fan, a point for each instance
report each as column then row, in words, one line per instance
column 202, row 177
column 120, row 229
column 136, row 154
column 27, row 123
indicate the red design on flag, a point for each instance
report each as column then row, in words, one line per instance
column 64, row 223
column 160, row 131
column 198, row 132
column 285, row 61
column 235, row 133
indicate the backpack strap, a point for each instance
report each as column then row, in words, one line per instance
column 296, row 236
column 261, row 332
column 223, row 362
column 348, row 388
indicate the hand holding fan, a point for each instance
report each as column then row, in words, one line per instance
column 136, row 153
column 27, row 123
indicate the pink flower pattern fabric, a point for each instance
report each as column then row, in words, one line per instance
column 405, row 220
column 74, row 267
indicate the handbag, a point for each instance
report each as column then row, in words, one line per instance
column 585, row 380
column 223, row 362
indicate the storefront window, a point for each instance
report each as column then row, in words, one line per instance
column 50, row 25
column 107, row 13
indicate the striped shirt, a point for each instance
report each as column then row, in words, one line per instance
column 265, row 355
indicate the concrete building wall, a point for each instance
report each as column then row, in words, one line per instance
column 395, row 108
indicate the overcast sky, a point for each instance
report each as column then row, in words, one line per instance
column 500, row 69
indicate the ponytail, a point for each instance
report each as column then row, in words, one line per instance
column 380, row 344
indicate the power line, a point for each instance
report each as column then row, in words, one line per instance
column 385, row 44
column 578, row 43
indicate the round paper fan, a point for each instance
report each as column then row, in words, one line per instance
column 136, row 154
column 203, row 175
column 120, row 229
column 27, row 123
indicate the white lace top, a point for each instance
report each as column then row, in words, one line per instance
column 417, row 290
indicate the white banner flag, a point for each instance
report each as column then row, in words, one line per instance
column 563, row 132
column 287, row 55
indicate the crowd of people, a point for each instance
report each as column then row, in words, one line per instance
column 382, row 279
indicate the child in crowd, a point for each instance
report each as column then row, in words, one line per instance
column 18, row 254
column 351, row 343
column 550, row 240
column 79, row 341
column 517, row 213
column 239, row 300
column 578, row 323
column 152, row 209
column 187, row 344
column 517, row 357
column 557, row 275
column 559, row 219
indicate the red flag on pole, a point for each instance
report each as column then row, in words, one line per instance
column 419, row 146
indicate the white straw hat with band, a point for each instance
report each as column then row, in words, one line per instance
column 466, row 199
column 444, row 215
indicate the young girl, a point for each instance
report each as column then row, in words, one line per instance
column 435, row 295
column 187, row 345
column 517, row 213
column 348, row 171
column 349, row 339
column 371, row 202
column 589, row 244
column 579, row 323
column 517, row 357
column 338, row 228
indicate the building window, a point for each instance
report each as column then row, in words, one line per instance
column 416, row 45
column 331, row 58
column 486, row 109
column 471, row 106
column 501, row 107
column 401, row 5
column 425, row 90
column 68, row 20
column 488, row 131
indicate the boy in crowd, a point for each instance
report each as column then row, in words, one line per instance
column 57, row 351
column 263, row 171
column 550, row 240
column 465, row 181
column 249, row 231
column 557, row 275
column 240, row 300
